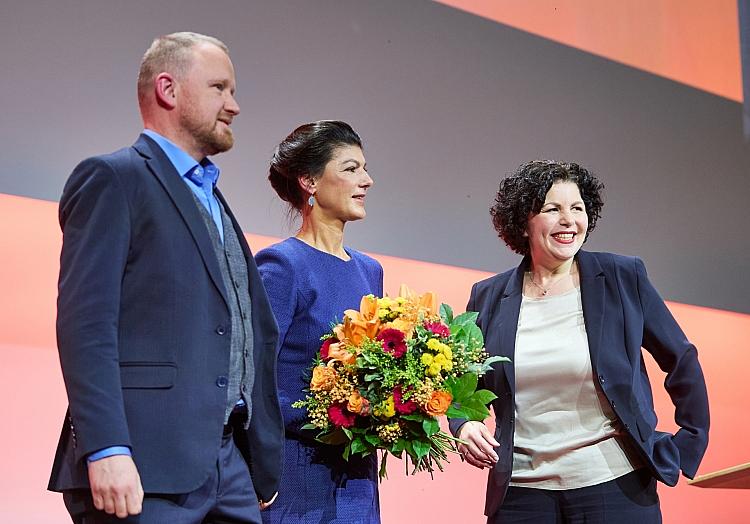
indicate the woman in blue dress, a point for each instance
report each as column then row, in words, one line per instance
column 311, row 278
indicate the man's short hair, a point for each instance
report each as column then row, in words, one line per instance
column 170, row 53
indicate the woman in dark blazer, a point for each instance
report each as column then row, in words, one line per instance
column 575, row 437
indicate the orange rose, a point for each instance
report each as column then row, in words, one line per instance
column 323, row 378
column 438, row 403
column 358, row 404
column 339, row 352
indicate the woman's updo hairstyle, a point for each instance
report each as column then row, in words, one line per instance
column 305, row 153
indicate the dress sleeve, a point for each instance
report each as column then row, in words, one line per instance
column 678, row 358
column 378, row 278
column 278, row 276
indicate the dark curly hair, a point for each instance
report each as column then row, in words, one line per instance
column 305, row 153
column 522, row 194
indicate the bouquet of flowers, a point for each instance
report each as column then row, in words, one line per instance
column 386, row 373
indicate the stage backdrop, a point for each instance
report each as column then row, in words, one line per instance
column 447, row 102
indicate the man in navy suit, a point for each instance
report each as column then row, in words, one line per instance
column 166, row 338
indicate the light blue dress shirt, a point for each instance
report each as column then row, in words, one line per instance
column 200, row 177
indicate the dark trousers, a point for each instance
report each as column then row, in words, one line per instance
column 227, row 497
column 628, row 499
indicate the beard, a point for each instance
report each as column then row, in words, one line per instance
column 211, row 138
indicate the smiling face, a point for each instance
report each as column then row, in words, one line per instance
column 557, row 232
column 340, row 191
column 206, row 102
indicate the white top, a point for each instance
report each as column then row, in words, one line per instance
column 566, row 435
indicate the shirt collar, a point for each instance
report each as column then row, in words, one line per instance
column 185, row 165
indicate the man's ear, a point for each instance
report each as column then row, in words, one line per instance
column 165, row 89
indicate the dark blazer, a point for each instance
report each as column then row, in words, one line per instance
column 143, row 329
column 622, row 312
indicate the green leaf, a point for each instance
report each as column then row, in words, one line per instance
column 347, row 451
column 470, row 317
column 372, row 377
column 446, row 313
column 483, row 396
column 358, row 446
column 430, row 426
column 398, row 447
column 333, row 438
column 486, row 366
column 421, row 448
column 473, row 331
column 471, row 412
column 347, row 432
column 455, row 412
column 374, row 440
column 415, row 417
column 310, row 426
column 463, row 386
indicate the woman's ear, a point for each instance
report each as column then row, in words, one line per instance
column 307, row 183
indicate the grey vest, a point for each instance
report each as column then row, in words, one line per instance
column 234, row 274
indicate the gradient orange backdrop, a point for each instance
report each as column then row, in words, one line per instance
column 695, row 42
column 33, row 399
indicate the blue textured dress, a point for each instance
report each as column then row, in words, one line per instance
column 308, row 289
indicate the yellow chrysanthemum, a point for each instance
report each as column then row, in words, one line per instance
column 387, row 409
column 426, row 359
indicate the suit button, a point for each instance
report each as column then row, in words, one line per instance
column 613, row 404
column 601, row 379
column 244, row 388
column 627, row 427
column 222, row 381
column 220, row 330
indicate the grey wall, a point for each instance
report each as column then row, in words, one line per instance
column 446, row 102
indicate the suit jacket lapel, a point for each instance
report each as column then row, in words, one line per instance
column 592, row 298
column 505, row 321
column 179, row 193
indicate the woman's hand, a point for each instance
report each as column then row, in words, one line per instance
column 479, row 448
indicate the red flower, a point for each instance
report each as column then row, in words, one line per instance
column 324, row 348
column 438, row 328
column 339, row 416
column 403, row 408
column 393, row 342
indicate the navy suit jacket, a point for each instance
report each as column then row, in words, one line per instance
column 143, row 329
column 623, row 313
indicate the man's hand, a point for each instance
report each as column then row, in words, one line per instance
column 116, row 486
column 478, row 450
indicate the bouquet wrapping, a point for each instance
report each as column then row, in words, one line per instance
column 386, row 373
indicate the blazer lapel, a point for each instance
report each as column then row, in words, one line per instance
column 592, row 298
column 179, row 193
column 505, row 321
